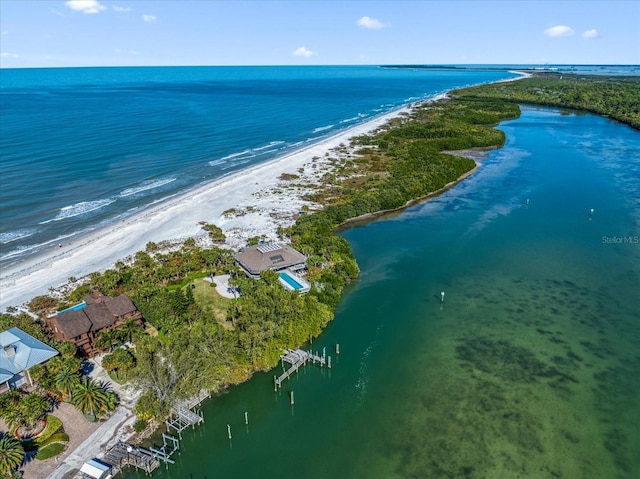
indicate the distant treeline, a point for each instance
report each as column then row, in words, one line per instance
column 614, row 97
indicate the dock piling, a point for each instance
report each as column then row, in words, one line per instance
column 292, row 400
column 229, row 431
column 246, row 418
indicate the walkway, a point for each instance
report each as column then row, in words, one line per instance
column 222, row 285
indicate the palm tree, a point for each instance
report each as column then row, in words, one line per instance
column 106, row 339
column 111, row 401
column 66, row 381
column 11, row 455
column 127, row 329
column 89, row 396
column 32, row 408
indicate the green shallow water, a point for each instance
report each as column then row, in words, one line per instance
column 530, row 367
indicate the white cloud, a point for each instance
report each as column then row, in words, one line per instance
column 371, row 23
column 593, row 33
column 149, row 18
column 9, row 55
column 5, row 33
column 303, row 52
column 116, row 8
column 85, row 6
column 559, row 31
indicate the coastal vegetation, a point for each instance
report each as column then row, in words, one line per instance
column 615, row 97
column 196, row 340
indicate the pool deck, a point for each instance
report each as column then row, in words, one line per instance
column 303, row 283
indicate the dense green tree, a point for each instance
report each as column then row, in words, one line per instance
column 127, row 330
column 106, row 339
column 32, row 408
column 67, row 349
column 66, row 381
column 11, row 455
column 89, row 396
column 120, row 361
column 18, row 409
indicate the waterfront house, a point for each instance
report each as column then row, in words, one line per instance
column 81, row 323
column 277, row 257
column 20, row 351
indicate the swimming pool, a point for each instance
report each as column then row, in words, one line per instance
column 293, row 283
column 74, row 308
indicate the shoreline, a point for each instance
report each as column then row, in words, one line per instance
column 178, row 217
column 311, row 155
column 366, row 218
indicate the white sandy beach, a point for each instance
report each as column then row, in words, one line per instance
column 261, row 199
column 262, row 202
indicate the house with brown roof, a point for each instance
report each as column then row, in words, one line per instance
column 277, row 257
column 82, row 323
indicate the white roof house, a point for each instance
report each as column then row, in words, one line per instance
column 95, row 470
column 18, row 352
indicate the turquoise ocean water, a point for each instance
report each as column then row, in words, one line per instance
column 530, row 367
column 82, row 147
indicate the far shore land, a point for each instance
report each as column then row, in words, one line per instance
column 251, row 202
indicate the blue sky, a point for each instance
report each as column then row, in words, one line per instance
column 145, row 32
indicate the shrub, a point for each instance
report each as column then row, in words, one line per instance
column 59, row 436
column 140, row 425
column 40, row 303
column 50, row 451
column 53, row 426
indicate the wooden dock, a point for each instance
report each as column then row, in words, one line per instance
column 121, row 455
column 296, row 358
column 182, row 414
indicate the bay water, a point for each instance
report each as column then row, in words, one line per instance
column 528, row 369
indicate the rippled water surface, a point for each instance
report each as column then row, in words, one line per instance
column 530, row 367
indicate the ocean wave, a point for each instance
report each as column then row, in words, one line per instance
column 354, row 118
column 244, row 154
column 26, row 249
column 146, row 185
column 269, row 145
column 237, row 163
column 80, row 209
column 322, row 128
column 221, row 161
column 235, row 155
column 16, row 235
